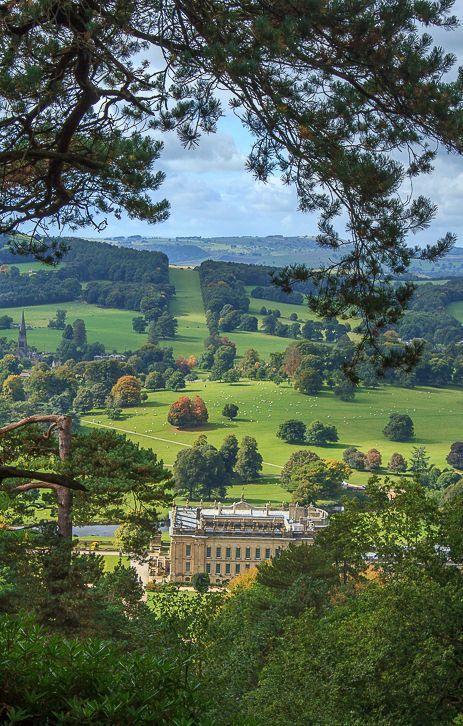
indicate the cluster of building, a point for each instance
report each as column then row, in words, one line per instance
column 225, row 541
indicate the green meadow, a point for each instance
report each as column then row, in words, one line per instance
column 437, row 415
column 111, row 327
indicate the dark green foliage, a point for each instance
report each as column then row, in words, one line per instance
column 230, row 411
column 292, row 431
column 229, row 452
column 455, row 456
column 201, row 582
column 42, row 287
column 59, row 321
column 321, row 434
column 200, row 472
column 50, row 679
column 139, row 324
column 249, row 460
column 308, row 381
column 399, row 427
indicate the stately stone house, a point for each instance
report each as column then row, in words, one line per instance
column 227, row 540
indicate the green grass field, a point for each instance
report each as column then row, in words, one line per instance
column 263, row 406
column 437, row 414
column 110, row 562
column 187, row 307
column 111, row 327
column 456, row 310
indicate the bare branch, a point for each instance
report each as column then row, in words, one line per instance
column 12, row 472
column 55, row 419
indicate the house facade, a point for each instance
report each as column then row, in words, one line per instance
column 224, row 541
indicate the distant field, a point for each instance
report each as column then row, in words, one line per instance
column 111, row 327
column 26, row 267
column 456, row 310
column 437, row 414
column 187, row 307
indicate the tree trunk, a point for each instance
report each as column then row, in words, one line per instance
column 64, row 495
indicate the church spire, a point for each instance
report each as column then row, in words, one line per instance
column 22, row 338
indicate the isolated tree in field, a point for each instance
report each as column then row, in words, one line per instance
column 374, row 459
column 188, row 412
column 79, row 332
column 201, row 582
column 249, row 460
column 320, row 434
column 230, row 411
column 139, row 324
column 229, row 452
column 308, row 381
column 59, row 321
column 399, row 427
column 419, row 460
column 299, row 458
column 397, row 463
column 343, row 388
column 455, row 456
column 292, row 431
column 355, row 459
column 126, row 392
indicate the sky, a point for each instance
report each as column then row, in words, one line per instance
column 211, row 194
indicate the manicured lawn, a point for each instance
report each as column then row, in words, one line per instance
column 110, row 562
column 437, row 414
column 111, row 327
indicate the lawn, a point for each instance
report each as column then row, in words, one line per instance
column 263, row 406
column 111, row 327
column 110, row 562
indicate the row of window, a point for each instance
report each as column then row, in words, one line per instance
column 218, row 568
column 228, row 553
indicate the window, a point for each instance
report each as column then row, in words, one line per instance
column 227, row 568
column 248, row 553
column 237, row 553
column 228, row 553
column 247, row 567
column 257, row 553
column 217, row 568
column 208, row 551
column 208, row 568
column 187, row 566
column 188, row 550
column 218, row 552
column 267, row 553
column 237, row 569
